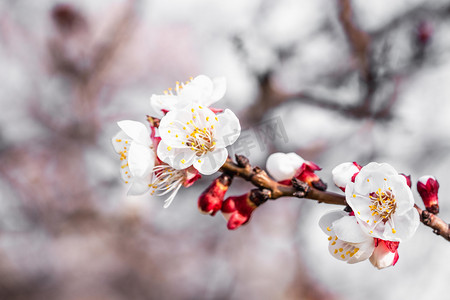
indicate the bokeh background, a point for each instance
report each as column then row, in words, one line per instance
column 350, row 81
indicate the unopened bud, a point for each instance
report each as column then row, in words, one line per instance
column 428, row 188
column 345, row 173
column 306, row 173
column 237, row 210
column 385, row 254
column 210, row 201
column 408, row 179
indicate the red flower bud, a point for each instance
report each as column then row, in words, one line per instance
column 385, row 254
column 428, row 188
column 408, row 179
column 210, row 201
column 306, row 174
column 237, row 210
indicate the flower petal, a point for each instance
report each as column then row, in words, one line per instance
column 220, row 87
column 228, row 129
column 199, row 90
column 403, row 194
column 141, row 159
column 178, row 158
column 211, row 162
column 405, row 226
column 326, row 221
column 136, row 131
column 165, row 102
column 138, row 187
column 283, row 166
column 347, row 229
column 121, row 142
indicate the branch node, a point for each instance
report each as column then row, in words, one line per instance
column 258, row 196
column 302, row 188
column 242, row 161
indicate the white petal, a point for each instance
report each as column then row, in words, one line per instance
column 167, row 102
column 326, row 221
column 178, row 158
column 366, row 249
column 220, row 87
column 211, row 162
column 138, row 187
column 403, row 194
column 136, row 131
column 424, row 179
column 228, row 129
column 199, row 90
column 405, row 226
column 121, row 142
column 348, row 230
column 141, row 159
column 283, row 166
column 343, row 173
column 359, row 204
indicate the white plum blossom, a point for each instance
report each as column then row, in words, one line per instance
column 343, row 173
column 383, row 203
column 201, row 90
column 137, row 155
column 140, row 167
column 347, row 241
column 283, row 166
column 195, row 136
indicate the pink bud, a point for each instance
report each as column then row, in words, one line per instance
column 238, row 210
column 306, row 174
column 428, row 188
column 210, row 201
column 385, row 254
column 408, row 179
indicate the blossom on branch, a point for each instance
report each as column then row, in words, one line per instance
column 285, row 166
column 195, row 136
column 200, row 90
column 142, row 169
column 382, row 202
column 137, row 155
column 428, row 188
column 347, row 241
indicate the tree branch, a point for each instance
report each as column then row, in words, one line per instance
column 274, row 190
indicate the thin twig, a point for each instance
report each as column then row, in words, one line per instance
column 259, row 178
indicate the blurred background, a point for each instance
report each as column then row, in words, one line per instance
column 342, row 80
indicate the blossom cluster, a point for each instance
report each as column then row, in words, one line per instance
column 381, row 214
column 186, row 139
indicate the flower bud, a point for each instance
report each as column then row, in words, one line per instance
column 306, row 174
column 283, row 167
column 408, row 179
column 345, row 173
column 210, row 201
column 385, row 254
column 237, row 210
column 428, row 188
